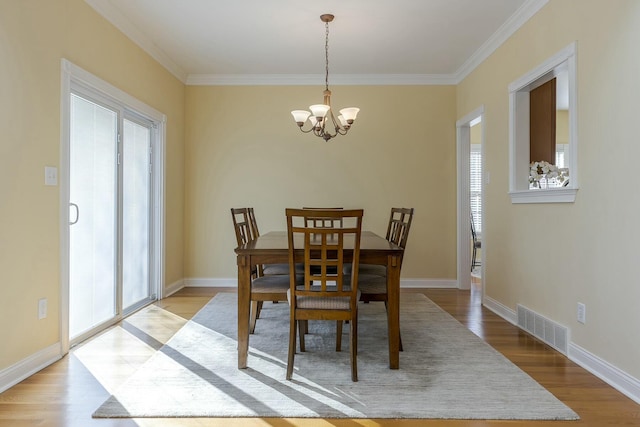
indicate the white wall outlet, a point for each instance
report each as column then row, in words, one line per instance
column 50, row 175
column 42, row 308
column 582, row 313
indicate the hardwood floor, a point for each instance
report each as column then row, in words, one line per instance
column 66, row 393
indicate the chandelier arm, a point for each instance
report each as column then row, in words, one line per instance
column 306, row 131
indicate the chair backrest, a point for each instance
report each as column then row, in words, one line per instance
column 474, row 235
column 399, row 225
column 242, row 225
column 253, row 223
column 323, row 222
column 324, row 251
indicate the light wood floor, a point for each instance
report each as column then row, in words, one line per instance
column 66, row 393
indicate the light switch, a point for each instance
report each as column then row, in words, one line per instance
column 50, row 175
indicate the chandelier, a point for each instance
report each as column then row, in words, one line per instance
column 321, row 117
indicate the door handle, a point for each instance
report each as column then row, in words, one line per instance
column 77, row 214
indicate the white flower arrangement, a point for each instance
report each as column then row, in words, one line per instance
column 550, row 173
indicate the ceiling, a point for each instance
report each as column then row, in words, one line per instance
column 282, row 41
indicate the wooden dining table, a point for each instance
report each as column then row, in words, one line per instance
column 273, row 248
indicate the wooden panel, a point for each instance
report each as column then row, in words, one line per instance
column 542, row 123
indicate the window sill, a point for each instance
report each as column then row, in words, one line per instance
column 552, row 195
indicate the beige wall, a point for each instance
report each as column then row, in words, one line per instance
column 549, row 257
column 244, row 149
column 34, row 36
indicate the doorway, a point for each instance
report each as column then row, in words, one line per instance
column 111, row 198
column 470, row 173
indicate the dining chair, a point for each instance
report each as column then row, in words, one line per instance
column 263, row 287
column 323, row 295
column 397, row 233
column 267, row 269
column 372, row 279
column 477, row 244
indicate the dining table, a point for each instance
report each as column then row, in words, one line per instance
column 273, row 248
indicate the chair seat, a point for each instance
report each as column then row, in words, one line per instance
column 373, row 269
column 323, row 303
column 371, row 284
column 278, row 269
column 275, row 283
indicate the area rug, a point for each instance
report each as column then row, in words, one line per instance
column 446, row 372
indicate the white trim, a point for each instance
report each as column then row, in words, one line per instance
column 428, row 283
column 501, row 310
column 463, row 141
column 551, row 195
column 517, row 20
column 519, row 160
column 318, row 79
column 158, row 211
column 232, row 282
column 28, row 366
column 173, row 288
column 554, row 61
column 81, row 75
column 616, row 378
column 63, row 178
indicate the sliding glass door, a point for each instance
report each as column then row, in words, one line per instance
column 93, row 215
column 110, row 190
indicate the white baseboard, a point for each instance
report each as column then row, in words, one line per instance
column 616, row 378
column 501, row 310
column 26, row 367
column 210, row 282
column 173, row 288
column 429, row 283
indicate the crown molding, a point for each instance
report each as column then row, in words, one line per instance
column 506, row 30
column 121, row 22
column 318, row 79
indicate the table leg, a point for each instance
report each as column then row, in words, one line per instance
column 244, row 304
column 393, row 310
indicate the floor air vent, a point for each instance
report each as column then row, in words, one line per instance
column 550, row 332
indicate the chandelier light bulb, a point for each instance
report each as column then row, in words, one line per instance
column 319, row 110
column 300, row 116
column 350, row 114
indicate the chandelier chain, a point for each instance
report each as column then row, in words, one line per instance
column 326, row 56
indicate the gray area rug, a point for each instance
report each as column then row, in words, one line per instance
column 445, row 371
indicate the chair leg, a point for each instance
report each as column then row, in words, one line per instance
column 339, row 335
column 353, row 348
column 259, row 309
column 292, row 347
column 301, row 328
column 473, row 258
column 254, row 315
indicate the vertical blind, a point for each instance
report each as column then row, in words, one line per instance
column 476, row 185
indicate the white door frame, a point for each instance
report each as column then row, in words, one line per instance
column 463, row 149
column 71, row 73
